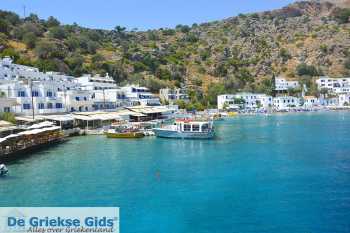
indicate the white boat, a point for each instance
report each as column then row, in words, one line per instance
column 3, row 170
column 187, row 129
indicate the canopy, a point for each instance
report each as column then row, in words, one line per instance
column 41, row 125
column 60, row 118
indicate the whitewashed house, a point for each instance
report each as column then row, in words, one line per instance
column 311, row 101
column 96, row 82
column 244, row 100
column 7, row 104
column 140, row 96
column 283, row 103
column 254, row 101
column 344, row 100
column 172, row 95
column 40, row 96
column 227, row 102
column 110, row 99
column 77, row 100
column 334, row 85
column 282, row 84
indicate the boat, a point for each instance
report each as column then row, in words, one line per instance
column 3, row 170
column 123, row 131
column 187, row 129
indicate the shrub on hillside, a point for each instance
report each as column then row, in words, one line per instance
column 304, row 69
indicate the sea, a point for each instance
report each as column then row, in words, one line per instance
column 283, row 173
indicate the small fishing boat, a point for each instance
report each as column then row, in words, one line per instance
column 123, row 131
column 3, row 170
column 187, row 129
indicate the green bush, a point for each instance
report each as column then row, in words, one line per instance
column 304, row 69
column 8, row 116
column 343, row 15
column 30, row 39
column 347, row 63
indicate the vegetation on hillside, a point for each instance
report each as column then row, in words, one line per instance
column 242, row 53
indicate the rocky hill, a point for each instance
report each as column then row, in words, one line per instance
column 340, row 3
column 302, row 40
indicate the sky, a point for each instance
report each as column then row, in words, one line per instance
column 140, row 14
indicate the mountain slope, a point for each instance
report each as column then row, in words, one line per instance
column 340, row 3
column 235, row 54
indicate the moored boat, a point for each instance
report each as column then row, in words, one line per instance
column 187, row 129
column 124, row 135
column 123, row 131
column 3, row 170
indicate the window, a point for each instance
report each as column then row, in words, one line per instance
column 77, row 98
column 59, row 105
column 49, row 94
column 26, row 106
column 195, row 128
column 6, row 109
column 35, row 93
column 49, row 105
column 21, row 94
column 205, row 127
column 187, row 127
column 85, row 98
column 41, row 105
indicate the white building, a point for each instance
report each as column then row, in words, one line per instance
column 311, row 101
column 282, row 84
column 335, row 85
column 227, row 102
column 77, row 100
column 244, row 100
column 38, row 95
column 97, row 82
column 172, row 95
column 7, row 104
column 140, row 96
column 331, row 102
column 110, row 99
column 282, row 103
column 14, row 72
column 344, row 100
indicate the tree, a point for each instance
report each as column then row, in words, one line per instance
column 30, row 39
column 213, row 91
column 72, row 43
column 4, row 27
column 32, row 18
column 57, row 33
column 163, row 73
column 182, row 104
column 46, row 49
column 342, row 15
column 347, row 63
column 119, row 29
column 284, row 54
column 304, row 69
column 10, row 52
column 52, row 22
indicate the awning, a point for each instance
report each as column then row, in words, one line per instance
column 60, row 118
column 127, row 112
column 149, row 110
column 83, row 118
column 30, row 118
column 41, row 125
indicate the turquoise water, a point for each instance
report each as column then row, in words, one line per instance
column 283, row 173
